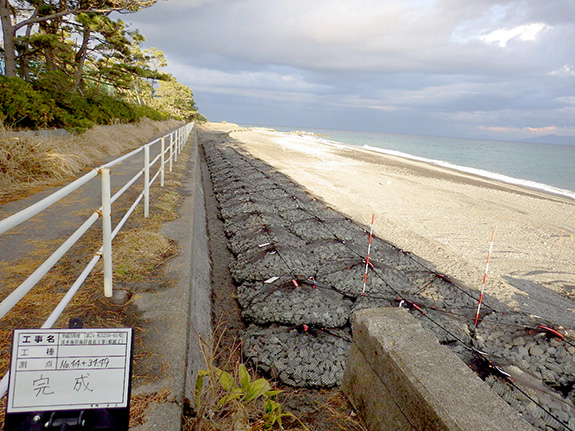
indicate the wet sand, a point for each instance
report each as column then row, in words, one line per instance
column 443, row 216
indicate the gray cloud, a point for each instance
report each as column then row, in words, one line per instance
column 505, row 68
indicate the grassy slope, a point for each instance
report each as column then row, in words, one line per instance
column 29, row 161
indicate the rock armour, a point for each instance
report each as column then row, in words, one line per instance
column 299, row 269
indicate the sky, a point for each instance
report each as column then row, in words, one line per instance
column 468, row 68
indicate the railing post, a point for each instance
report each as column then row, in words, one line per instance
column 176, row 142
column 163, row 162
column 171, row 150
column 107, row 231
column 146, row 181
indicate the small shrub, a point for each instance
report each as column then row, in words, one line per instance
column 151, row 113
column 50, row 102
column 23, row 107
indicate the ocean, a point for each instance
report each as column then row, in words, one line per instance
column 545, row 167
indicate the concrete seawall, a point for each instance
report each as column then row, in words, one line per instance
column 399, row 377
column 200, row 315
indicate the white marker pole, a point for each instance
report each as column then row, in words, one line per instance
column 368, row 254
column 484, row 277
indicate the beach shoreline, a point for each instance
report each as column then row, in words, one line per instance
column 523, row 182
column 441, row 215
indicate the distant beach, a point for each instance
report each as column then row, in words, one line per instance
column 547, row 167
column 441, row 214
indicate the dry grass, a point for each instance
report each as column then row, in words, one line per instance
column 139, row 404
column 137, row 252
column 339, row 415
column 139, row 247
column 2, row 410
column 168, row 202
column 5, row 343
column 28, row 161
column 210, row 413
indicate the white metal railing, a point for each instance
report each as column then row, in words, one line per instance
column 167, row 155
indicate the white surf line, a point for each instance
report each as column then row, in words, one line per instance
column 285, row 139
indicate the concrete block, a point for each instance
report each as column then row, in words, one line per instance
column 400, row 377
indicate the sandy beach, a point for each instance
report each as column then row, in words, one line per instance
column 441, row 215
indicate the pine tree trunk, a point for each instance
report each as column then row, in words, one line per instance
column 8, row 33
column 24, row 57
column 81, row 59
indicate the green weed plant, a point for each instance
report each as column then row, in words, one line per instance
column 241, row 396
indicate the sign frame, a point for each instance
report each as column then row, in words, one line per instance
column 80, row 377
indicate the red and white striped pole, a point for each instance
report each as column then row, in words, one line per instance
column 368, row 254
column 484, row 277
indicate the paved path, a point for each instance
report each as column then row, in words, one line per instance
column 41, row 235
column 63, row 218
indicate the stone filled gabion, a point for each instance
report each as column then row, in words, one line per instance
column 531, row 412
column 446, row 296
column 253, row 241
column 394, row 257
column 329, row 250
column 516, row 339
column 272, row 263
column 295, row 202
column 349, row 279
column 294, row 306
column 313, row 359
column 251, row 221
column 451, row 328
column 239, row 207
column 310, row 231
column 286, row 242
column 314, row 230
column 295, row 215
column 369, row 301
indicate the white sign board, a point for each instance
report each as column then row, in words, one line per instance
column 69, row 369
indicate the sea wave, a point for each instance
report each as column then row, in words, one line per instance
column 475, row 171
column 480, row 172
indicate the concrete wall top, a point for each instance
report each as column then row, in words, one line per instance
column 419, row 384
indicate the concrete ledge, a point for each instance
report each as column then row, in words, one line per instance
column 399, row 377
column 177, row 315
column 200, row 311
